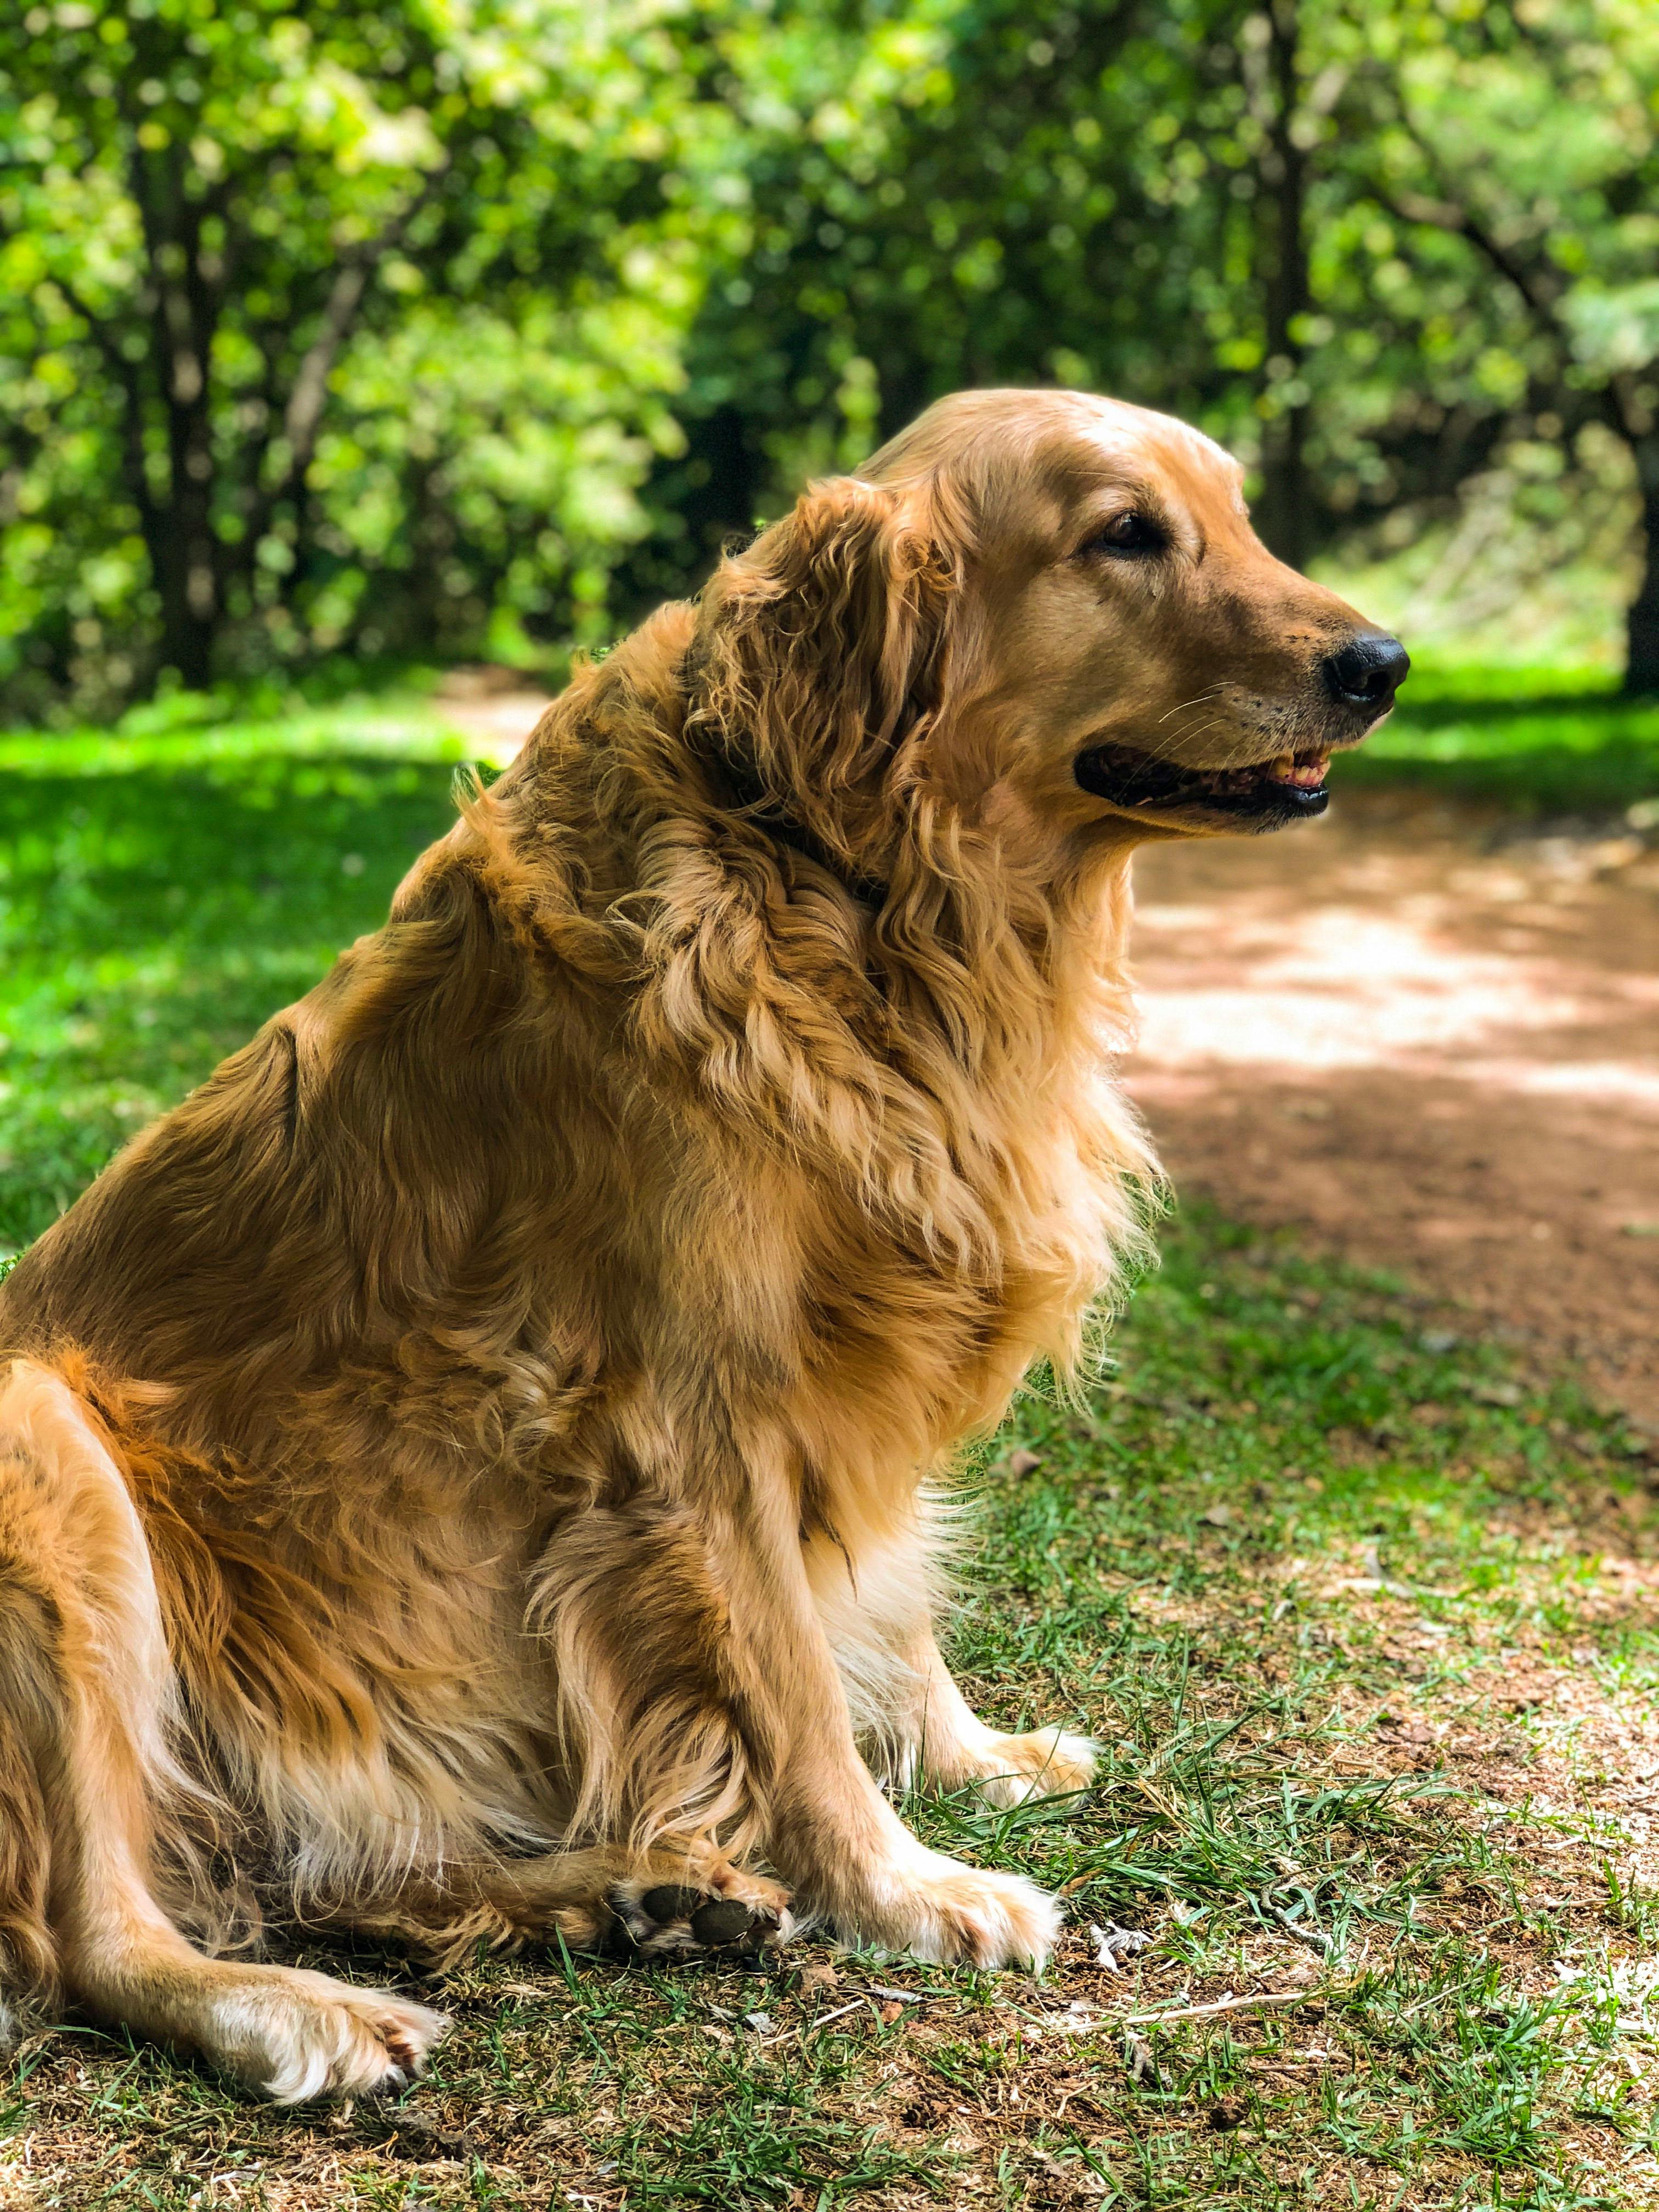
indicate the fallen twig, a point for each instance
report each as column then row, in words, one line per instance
column 1081, row 2021
column 1221, row 2005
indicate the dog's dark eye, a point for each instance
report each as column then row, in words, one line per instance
column 1127, row 533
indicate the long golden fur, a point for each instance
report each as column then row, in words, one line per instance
column 464, row 1473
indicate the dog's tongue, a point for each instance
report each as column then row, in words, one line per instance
column 1305, row 770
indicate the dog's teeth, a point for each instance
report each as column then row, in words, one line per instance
column 1303, row 771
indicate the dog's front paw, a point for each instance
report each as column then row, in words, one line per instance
column 956, row 1915
column 293, row 2035
column 1046, row 1764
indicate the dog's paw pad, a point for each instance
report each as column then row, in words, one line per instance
column 670, row 1920
column 725, row 1920
column 668, row 1903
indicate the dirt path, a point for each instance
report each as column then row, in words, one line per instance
column 1424, row 1043
column 494, row 708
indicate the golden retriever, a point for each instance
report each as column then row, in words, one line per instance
column 464, row 1473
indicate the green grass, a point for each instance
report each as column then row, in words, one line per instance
column 152, row 916
column 1360, row 1611
column 1578, row 751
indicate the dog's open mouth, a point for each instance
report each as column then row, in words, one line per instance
column 1289, row 787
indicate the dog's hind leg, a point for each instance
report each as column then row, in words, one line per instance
column 85, row 1686
column 668, row 1901
column 675, row 1900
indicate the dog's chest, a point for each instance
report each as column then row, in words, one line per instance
column 891, row 1321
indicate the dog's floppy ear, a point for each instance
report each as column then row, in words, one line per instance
column 820, row 651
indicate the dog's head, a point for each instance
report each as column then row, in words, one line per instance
column 1040, row 601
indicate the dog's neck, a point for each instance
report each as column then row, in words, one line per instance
column 731, row 766
column 752, row 798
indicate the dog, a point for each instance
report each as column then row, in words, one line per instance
column 476, row 1471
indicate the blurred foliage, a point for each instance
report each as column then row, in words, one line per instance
column 353, row 326
column 447, row 327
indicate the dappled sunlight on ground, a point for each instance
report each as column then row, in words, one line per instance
column 1426, row 1042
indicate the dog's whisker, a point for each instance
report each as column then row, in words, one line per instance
column 1164, row 749
column 1203, row 698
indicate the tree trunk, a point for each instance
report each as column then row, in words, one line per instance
column 186, row 556
column 1642, row 622
column 1282, row 507
column 189, row 603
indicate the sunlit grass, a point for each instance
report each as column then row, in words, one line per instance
column 1592, row 752
column 151, row 917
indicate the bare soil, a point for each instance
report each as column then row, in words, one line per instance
column 1424, row 1039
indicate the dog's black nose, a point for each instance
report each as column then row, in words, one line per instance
column 1367, row 672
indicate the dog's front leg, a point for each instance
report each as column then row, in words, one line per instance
column 828, row 1830
column 915, row 1722
column 954, row 1749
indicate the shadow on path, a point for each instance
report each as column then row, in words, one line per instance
column 1426, row 1044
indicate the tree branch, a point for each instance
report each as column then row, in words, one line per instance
column 101, row 334
column 1633, row 418
column 1538, row 292
column 125, row 373
column 302, row 417
column 303, row 414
